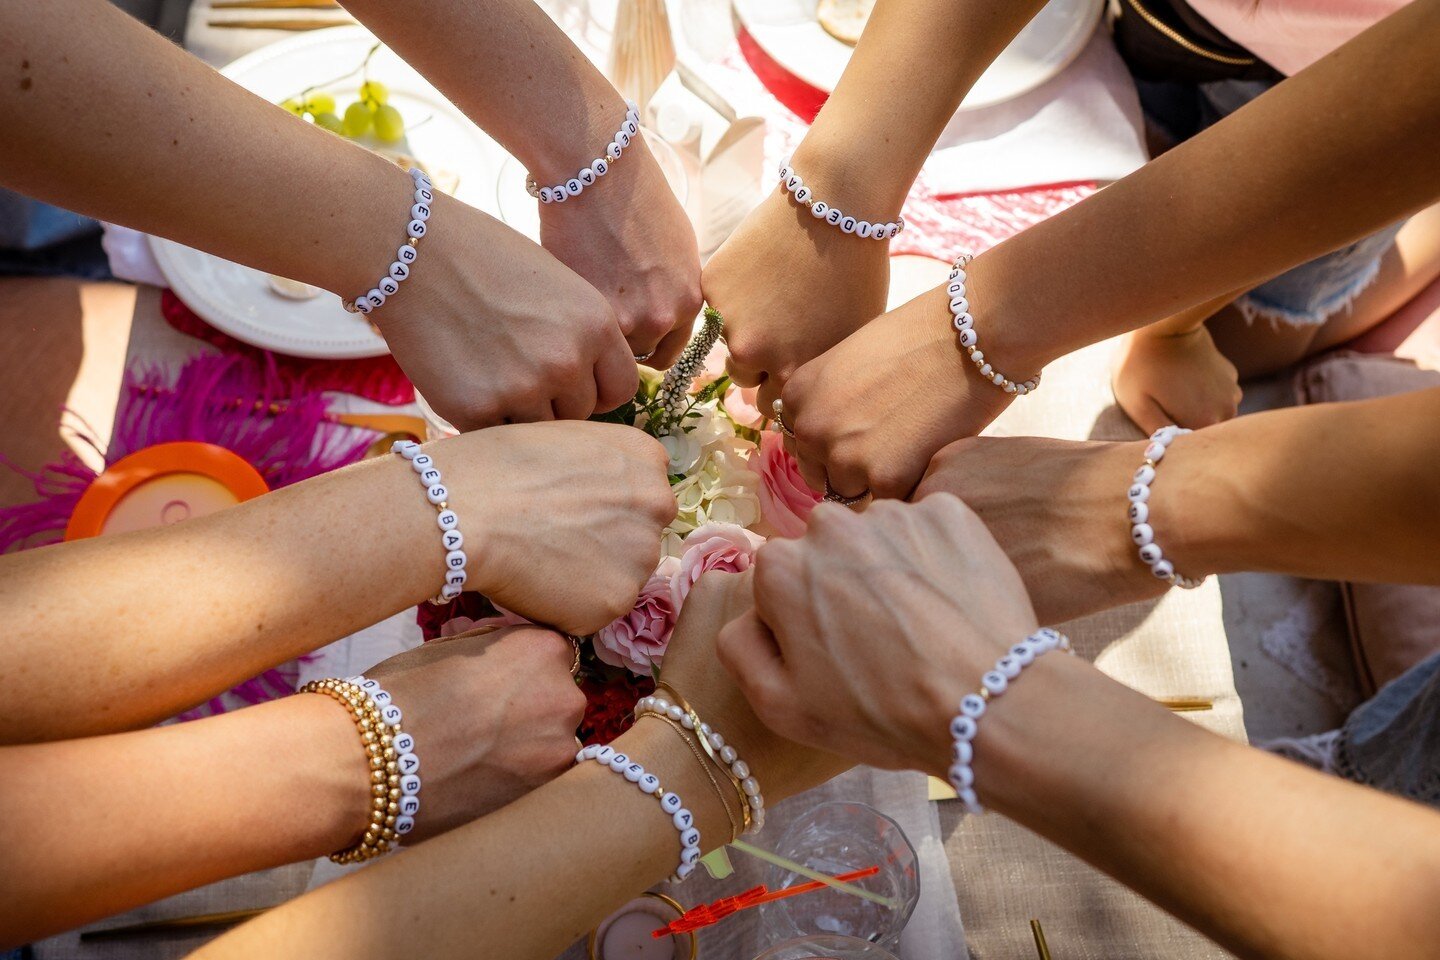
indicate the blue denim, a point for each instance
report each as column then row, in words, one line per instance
column 21, row 953
column 1392, row 741
column 1308, row 294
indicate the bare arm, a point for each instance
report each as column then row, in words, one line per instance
column 180, row 613
column 1335, row 152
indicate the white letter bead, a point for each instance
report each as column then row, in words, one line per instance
column 408, row 763
column 604, row 754
column 1142, row 533
column 618, row 762
column 410, row 785
column 404, row 825
column 963, row 728
column 847, row 224
column 363, row 306
column 415, row 228
column 961, row 776
column 612, row 150
column 622, row 139
column 430, row 477
column 438, row 493
column 380, row 697
column 447, row 519
column 1155, row 452
column 634, row 772
column 1023, row 653
column 684, row 870
column 420, row 211
column 862, row 228
column 452, row 539
column 406, row 448
column 995, row 682
column 398, row 270
column 631, row 128
column 834, row 217
column 371, row 685
column 690, row 838
column 1139, row 512
column 424, row 195
column 600, row 167
column 404, row 743
column 376, row 296
column 670, row 803
column 1151, row 553
column 391, row 714
column 409, row 806
column 959, row 305
column 683, row 819
column 455, row 560
column 574, row 186
column 963, row 322
column 1145, row 475
column 785, row 172
column 793, row 182
column 421, row 462
column 802, row 194
column 1008, row 666
column 972, row 705
column 1162, row 569
column 450, row 591
column 406, row 254
column 546, row 195
column 970, row 800
column 1138, row 493
column 956, row 288
column 819, row 208
column 964, row 751
column 586, row 176
column 967, row 338
column 649, row 783
column 688, row 855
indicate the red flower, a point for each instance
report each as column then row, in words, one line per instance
column 609, row 702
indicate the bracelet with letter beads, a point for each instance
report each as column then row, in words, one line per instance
column 964, row 325
column 723, row 755
column 405, row 756
column 966, row 723
column 736, row 829
column 597, row 168
column 385, row 778
column 1142, row 532
column 791, row 183
column 670, row 803
column 452, row 540
column 389, row 285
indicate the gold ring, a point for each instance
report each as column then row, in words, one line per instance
column 575, row 666
column 779, row 408
column 832, row 497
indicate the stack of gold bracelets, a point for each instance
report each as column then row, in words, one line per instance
column 670, row 707
column 394, row 785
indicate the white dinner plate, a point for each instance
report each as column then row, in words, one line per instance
column 788, row 31
column 238, row 300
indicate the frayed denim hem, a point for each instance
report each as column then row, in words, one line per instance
column 1253, row 307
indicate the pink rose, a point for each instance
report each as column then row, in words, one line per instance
column 785, row 498
column 741, row 404
column 726, row 547
column 639, row 639
column 713, row 369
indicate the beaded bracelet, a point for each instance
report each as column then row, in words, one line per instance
column 791, row 183
column 964, row 325
column 972, row 707
column 596, row 169
column 389, row 284
column 722, row 754
column 1139, row 511
column 451, row 539
column 736, row 828
column 670, row 802
column 387, row 748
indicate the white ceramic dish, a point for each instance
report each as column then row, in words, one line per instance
column 238, row 300
column 788, row 31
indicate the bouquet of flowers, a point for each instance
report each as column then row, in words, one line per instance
column 734, row 485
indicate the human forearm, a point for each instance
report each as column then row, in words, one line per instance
column 1268, row 858
column 1339, row 150
column 96, row 826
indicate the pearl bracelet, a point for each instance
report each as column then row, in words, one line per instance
column 670, row 802
column 390, row 752
column 964, row 325
column 972, row 707
column 596, row 169
column 389, row 284
column 722, row 754
column 1139, row 511
column 451, row 539
column 791, row 183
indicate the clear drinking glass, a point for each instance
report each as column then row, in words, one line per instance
column 836, row 838
column 826, row 947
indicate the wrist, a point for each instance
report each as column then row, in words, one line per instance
column 848, row 173
column 567, row 144
column 1193, row 502
column 367, row 235
column 331, row 773
column 1011, row 342
column 662, row 752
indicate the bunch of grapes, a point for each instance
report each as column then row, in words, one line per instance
column 370, row 113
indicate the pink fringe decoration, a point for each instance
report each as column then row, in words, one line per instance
column 245, row 405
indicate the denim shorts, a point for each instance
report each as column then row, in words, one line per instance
column 1392, row 741
column 1306, row 295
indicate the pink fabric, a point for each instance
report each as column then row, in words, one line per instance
column 1292, row 34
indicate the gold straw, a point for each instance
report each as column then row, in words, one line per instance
column 805, row 871
column 1041, row 948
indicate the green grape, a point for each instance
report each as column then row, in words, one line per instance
column 328, row 121
column 318, row 103
column 374, row 92
column 389, row 125
column 294, row 106
column 358, row 119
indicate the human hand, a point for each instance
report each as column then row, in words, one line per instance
column 566, row 517
column 1179, row 378
column 871, row 412
column 492, row 328
column 693, row 670
column 630, row 238
column 868, row 630
column 790, row 287
column 1057, row 507
column 493, row 715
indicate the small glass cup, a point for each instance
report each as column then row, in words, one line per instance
column 836, row 838
column 827, row 947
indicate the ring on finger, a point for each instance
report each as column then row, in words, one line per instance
column 575, row 665
column 641, row 358
column 779, row 407
column 832, row 497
